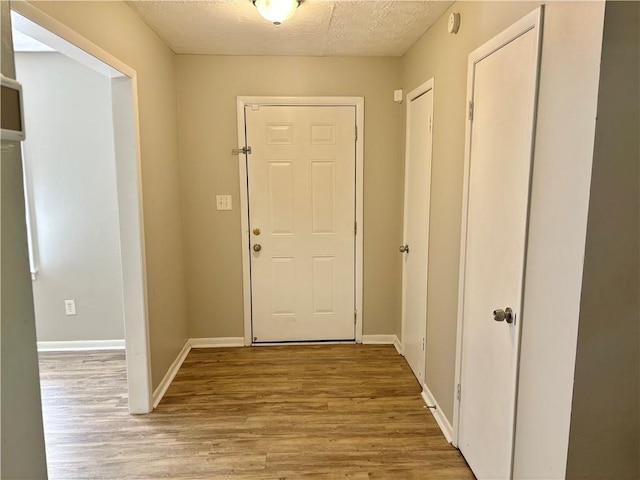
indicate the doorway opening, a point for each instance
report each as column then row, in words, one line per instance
column 126, row 243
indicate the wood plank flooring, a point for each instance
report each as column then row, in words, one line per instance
column 294, row 412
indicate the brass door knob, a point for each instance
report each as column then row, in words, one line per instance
column 256, row 231
column 257, row 247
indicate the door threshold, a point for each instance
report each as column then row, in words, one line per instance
column 303, row 342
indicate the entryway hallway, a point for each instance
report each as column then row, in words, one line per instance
column 283, row 412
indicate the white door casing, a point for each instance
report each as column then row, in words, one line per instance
column 417, row 193
column 502, row 94
column 302, row 190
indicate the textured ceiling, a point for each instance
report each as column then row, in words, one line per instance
column 318, row 28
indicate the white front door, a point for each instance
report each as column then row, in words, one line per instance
column 502, row 89
column 301, row 188
column 416, row 227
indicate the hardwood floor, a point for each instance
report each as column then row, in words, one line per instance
column 294, row 412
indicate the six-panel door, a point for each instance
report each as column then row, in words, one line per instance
column 301, row 187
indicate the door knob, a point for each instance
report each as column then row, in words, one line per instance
column 404, row 248
column 257, row 247
column 503, row 315
column 256, row 231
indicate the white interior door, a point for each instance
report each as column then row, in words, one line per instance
column 301, row 188
column 416, row 227
column 502, row 83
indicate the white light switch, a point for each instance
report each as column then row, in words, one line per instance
column 223, row 202
column 70, row 307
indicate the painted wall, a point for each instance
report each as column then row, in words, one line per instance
column 207, row 91
column 560, row 193
column 22, row 437
column 118, row 30
column 604, row 440
column 70, row 165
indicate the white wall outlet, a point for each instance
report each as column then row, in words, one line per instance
column 70, row 307
column 223, row 202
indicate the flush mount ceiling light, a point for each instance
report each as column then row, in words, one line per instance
column 276, row 11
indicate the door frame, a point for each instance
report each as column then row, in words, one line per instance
column 525, row 24
column 358, row 103
column 129, row 190
column 414, row 94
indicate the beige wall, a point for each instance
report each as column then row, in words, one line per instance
column 443, row 56
column 117, row 29
column 23, row 452
column 604, row 439
column 207, row 91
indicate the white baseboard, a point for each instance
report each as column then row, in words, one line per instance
column 80, row 345
column 379, row 339
column 159, row 392
column 177, row 363
column 399, row 348
column 383, row 340
column 216, row 342
column 443, row 423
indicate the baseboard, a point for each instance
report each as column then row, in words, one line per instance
column 441, row 419
column 216, row 342
column 379, row 339
column 399, row 348
column 159, row 392
column 80, row 345
column 383, row 340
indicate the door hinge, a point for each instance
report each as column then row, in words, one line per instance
column 471, row 110
column 243, row 150
column 429, row 123
column 458, row 393
column 356, row 133
column 423, row 344
column 355, row 316
column 355, row 228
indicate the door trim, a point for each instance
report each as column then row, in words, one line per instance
column 358, row 103
column 427, row 86
column 525, row 24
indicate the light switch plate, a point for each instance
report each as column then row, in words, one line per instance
column 223, row 202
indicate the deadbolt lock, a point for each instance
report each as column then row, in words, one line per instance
column 257, row 247
column 256, row 231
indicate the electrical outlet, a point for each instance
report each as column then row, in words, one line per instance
column 70, row 307
column 223, row 202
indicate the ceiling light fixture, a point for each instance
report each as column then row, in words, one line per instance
column 276, row 11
